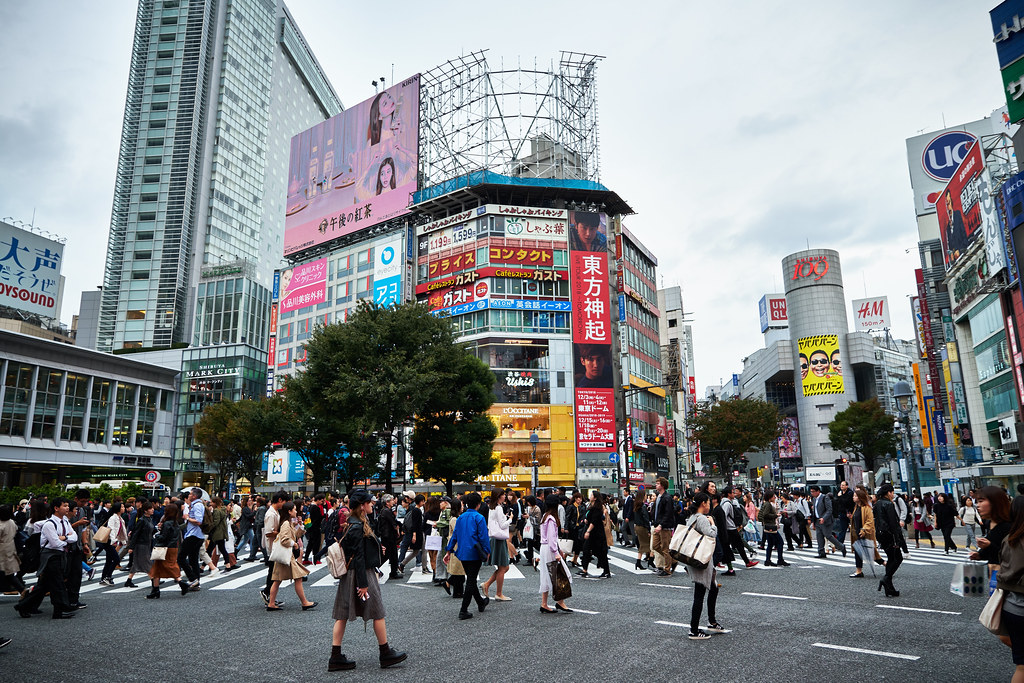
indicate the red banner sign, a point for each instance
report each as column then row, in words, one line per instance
column 472, row 276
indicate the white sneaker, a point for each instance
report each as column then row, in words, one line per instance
column 699, row 635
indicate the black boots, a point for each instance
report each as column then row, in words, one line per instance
column 183, row 584
column 129, row 584
column 389, row 656
column 338, row 661
column 154, row 593
column 638, row 565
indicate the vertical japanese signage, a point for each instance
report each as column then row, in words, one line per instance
column 821, row 368
column 387, row 273
column 591, row 331
column 919, row 390
column 691, row 386
column 29, row 271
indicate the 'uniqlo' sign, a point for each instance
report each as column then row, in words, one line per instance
column 871, row 314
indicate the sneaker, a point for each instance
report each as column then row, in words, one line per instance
column 699, row 635
column 752, row 563
column 106, row 582
column 731, row 572
column 266, row 596
column 769, row 563
column 4, row 642
column 715, row 627
column 92, row 573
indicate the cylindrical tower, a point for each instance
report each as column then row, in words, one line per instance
column 818, row 327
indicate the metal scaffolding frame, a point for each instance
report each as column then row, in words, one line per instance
column 520, row 121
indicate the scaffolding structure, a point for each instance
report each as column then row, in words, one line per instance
column 527, row 122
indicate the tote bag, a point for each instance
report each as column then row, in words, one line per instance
column 281, row 554
column 691, row 547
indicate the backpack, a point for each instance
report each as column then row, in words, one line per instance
column 742, row 520
column 208, row 525
column 326, row 522
column 33, row 548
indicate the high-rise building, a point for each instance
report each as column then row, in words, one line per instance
column 676, row 339
column 216, row 90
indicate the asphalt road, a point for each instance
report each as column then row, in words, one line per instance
column 794, row 623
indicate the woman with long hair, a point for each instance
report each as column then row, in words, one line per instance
column 456, row 581
column 994, row 508
column 1010, row 578
column 922, row 517
column 118, row 537
column 945, row 520
column 431, row 514
column 532, row 541
column 293, row 571
column 140, row 543
column 863, row 529
column 549, row 555
column 168, row 535
column 642, row 529
column 595, row 542
column 890, row 537
column 705, row 581
column 768, row 516
column 498, row 531
column 358, row 591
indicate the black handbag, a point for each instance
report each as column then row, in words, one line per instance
column 561, row 586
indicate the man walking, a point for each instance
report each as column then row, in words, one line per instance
column 192, row 544
column 55, row 537
column 271, row 521
column 316, row 519
column 735, row 518
column 389, row 530
column 822, row 507
column 843, row 510
column 76, row 550
column 257, row 530
column 664, row 521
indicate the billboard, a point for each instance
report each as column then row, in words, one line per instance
column 29, row 271
column 959, row 207
column 871, row 314
column 1006, row 26
column 772, row 311
column 301, row 286
column 285, row 466
column 789, row 438
column 354, row 170
column 1013, row 89
column 521, row 256
column 933, row 157
column 387, row 273
column 591, row 331
column 821, row 369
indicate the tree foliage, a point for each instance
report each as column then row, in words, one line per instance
column 376, row 371
column 727, row 429
column 234, row 436
column 864, row 431
column 452, row 438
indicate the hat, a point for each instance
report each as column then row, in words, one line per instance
column 23, row 501
column 358, row 497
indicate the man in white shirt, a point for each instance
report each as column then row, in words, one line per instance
column 270, row 524
column 56, row 535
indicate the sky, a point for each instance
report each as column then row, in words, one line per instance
column 738, row 132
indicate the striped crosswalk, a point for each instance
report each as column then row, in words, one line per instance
column 622, row 561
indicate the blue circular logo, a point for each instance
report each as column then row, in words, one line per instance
column 944, row 153
column 387, row 256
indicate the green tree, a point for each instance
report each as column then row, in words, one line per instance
column 380, row 368
column 727, row 429
column 453, row 436
column 316, row 430
column 864, row 431
column 234, row 435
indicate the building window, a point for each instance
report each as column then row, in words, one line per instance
column 99, row 410
column 17, row 395
column 124, row 412
column 147, row 417
column 76, row 393
column 44, row 420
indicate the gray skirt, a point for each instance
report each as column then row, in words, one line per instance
column 499, row 552
column 348, row 607
column 141, row 562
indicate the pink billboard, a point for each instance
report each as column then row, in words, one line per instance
column 302, row 286
column 354, row 170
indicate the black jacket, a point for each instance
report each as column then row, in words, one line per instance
column 167, row 535
column 361, row 552
column 387, row 525
column 142, row 535
column 945, row 515
column 663, row 513
column 887, row 526
column 247, row 520
column 843, row 503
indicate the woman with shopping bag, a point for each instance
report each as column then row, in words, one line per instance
column 1009, row 595
column 554, row 572
column 705, row 581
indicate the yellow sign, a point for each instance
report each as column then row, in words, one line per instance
column 926, row 440
column 821, row 369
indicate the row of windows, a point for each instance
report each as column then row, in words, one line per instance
column 95, row 409
column 642, row 343
column 644, row 370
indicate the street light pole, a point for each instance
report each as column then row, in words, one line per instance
column 903, row 394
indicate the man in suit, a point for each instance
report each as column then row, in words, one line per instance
column 843, row 509
column 664, row 520
column 822, row 511
column 388, row 528
column 627, row 520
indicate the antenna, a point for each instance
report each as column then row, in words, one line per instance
column 865, row 278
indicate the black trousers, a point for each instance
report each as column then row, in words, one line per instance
column 599, row 552
column 73, row 575
column 222, row 547
column 787, row 528
column 773, row 541
column 736, row 541
column 51, row 580
column 111, row 562
column 391, row 554
column 313, row 544
column 472, row 591
column 699, row 591
column 947, row 536
column 190, row 548
column 893, row 560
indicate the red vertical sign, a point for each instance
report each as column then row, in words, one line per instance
column 591, row 332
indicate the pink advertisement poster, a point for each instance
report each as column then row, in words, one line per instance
column 302, row 286
column 354, row 170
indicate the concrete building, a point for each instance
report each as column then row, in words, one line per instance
column 676, row 339
column 87, row 322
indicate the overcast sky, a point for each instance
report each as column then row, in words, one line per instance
column 739, row 132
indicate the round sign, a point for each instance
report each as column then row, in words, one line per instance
column 387, row 256
column 944, row 153
column 152, row 477
column 640, row 487
column 613, row 458
column 481, row 290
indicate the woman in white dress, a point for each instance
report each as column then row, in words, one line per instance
column 549, row 553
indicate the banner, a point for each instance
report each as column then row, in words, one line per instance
column 521, row 256
column 30, row 271
column 959, row 207
column 871, row 314
column 821, row 370
column 591, row 331
column 387, row 273
column 789, row 438
column 302, row 286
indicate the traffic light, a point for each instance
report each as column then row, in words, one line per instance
column 659, row 439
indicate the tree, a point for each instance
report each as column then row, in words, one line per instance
column 380, row 368
column 234, row 435
column 864, row 431
column 317, row 430
column 452, row 438
column 728, row 429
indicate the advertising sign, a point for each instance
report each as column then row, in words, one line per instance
column 789, row 438
column 591, row 331
column 959, row 207
column 285, row 466
column 521, row 256
column 355, row 170
column 821, row 370
column 448, row 238
column 439, row 267
column 772, row 311
column 1013, row 200
column 537, row 275
column 871, row 314
column 819, row 473
column 915, row 309
column 304, row 285
column 1013, row 89
column 1007, row 22
column 387, row 273
column 29, row 271
column 535, row 228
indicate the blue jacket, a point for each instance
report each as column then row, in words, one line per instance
column 470, row 530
